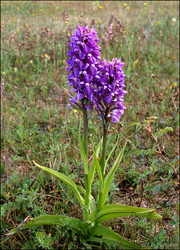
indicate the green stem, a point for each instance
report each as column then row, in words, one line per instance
column 85, row 142
column 103, row 157
column 103, row 163
column 85, row 131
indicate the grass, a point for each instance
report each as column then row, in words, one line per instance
column 36, row 126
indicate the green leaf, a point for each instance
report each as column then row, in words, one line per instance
column 107, row 125
column 134, row 123
column 168, row 129
column 89, row 114
column 143, row 152
column 138, row 152
column 78, row 107
column 156, row 189
column 161, row 131
column 149, row 151
column 148, row 188
column 54, row 220
column 138, row 127
column 104, row 234
column 175, row 217
column 48, row 220
column 98, row 170
column 117, row 210
column 20, row 227
column 110, row 176
column 152, row 117
column 133, row 151
column 111, row 151
column 164, row 186
column 66, row 180
column 92, row 202
column 92, row 167
column 172, row 223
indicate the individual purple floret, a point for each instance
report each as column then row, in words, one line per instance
column 83, row 63
column 109, row 97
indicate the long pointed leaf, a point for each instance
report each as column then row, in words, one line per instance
column 92, row 167
column 92, row 203
column 54, row 220
column 117, row 210
column 47, row 220
column 98, row 170
column 104, row 234
column 65, row 179
column 112, row 151
column 110, row 176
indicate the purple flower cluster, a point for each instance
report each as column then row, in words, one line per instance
column 101, row 83
column 83, row 63
column 110, row 93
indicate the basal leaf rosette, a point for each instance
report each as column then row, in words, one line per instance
column 109, row 96
column 83, row 64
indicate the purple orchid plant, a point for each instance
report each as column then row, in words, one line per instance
column 98, row 85
column 83, row 65
column 94, row 82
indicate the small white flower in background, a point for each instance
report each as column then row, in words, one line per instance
column 31, row 61
column 174, row 20
column 15, row 69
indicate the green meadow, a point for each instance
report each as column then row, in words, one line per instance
column 37, row 125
